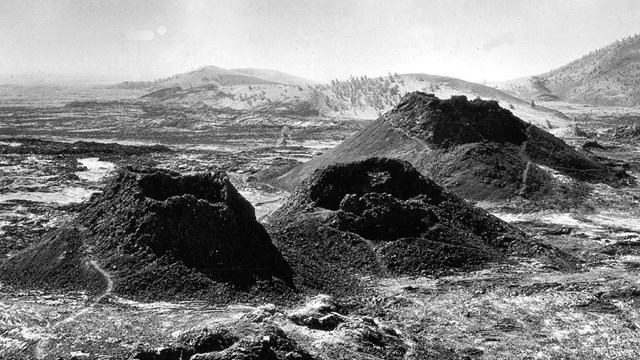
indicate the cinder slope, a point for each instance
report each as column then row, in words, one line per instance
column 381, row 216
column 159, row 235
column 476, row 149
column 609, row 76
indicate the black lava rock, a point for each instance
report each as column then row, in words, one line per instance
column 159, row 234
column 380, row 216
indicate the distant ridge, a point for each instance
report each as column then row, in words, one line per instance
column 608, row 76
column 211, row 75
column 359, row 97
column 217, row 76
column 275, row 76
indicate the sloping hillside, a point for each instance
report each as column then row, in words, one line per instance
column 369, row 98
column 608, row 76
column 266, row 97
column 211, row 76
column 275, row 76
column 356, row 97
column 216, row 76
column 476, row 149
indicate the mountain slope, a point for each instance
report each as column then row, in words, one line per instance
column 476, row 149
column 217, row 76
column 608, row 76
column 356, row 97
column 205, row 76
column 211, row 75
column 275, row 76
column 374, row 96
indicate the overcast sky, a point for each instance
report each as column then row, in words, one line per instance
column 321, row 40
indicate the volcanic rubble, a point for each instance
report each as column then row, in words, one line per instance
column 158, row 235
column 155, row 234
column 380, row 216
column 476, row 149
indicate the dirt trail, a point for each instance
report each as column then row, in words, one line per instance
column 39, row 351
column 525, row 174
column 415, row 138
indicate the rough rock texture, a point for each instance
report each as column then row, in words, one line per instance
column 476, row 149
column 381, row 215
column 270, row 344
column 625, row 132
column 373, row 339
column 268, row 333
column 266, row 343
column 86, row 148
column 443, row 123
column 592, row 144
column 59, row 263
column 159, row 235
column 320, row 312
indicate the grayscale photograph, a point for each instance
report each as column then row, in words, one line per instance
column 319, row 179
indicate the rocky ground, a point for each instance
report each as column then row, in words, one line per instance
column 515, row 310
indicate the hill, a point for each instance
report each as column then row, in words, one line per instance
column 609, row 76
column 475, row 149
column 208, row 76
column 161, row 235
column 275, row 76
column 375, row 96
column 381, row 216
column 356, row 97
